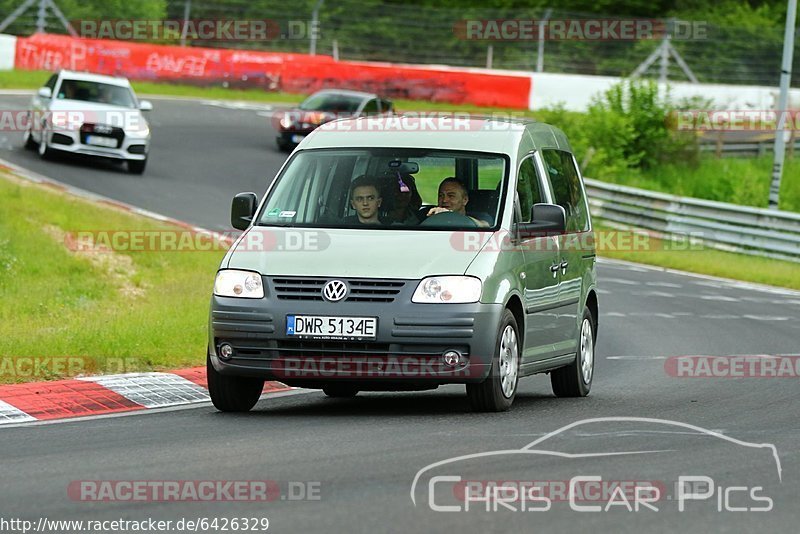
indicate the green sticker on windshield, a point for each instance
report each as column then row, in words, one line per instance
column 273, row 213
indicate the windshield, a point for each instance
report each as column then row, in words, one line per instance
column 331, row 102
column 388, row 189
column 101, row 93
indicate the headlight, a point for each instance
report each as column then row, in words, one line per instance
column 286, row 121
column 447, row 289
column 67, row 120
column 139, row 131
column 242, row 284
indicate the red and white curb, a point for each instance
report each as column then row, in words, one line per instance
column 106, row 394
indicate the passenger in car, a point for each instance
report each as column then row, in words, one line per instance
column 453, row 196
column 405, row 199
column 365, row 199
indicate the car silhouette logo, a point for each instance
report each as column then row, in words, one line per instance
column 334, row 291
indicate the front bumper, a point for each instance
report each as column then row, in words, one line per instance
column 408, row 347
column 292, row 138
column 130, row 148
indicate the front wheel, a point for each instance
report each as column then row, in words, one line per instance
column 232, row 393
column 45, row 152
column 340, row 391
column 575, row 380
column 30, row 143
column 136, row 166
column 497, row 392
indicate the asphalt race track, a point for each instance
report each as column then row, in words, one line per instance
column 358, row 458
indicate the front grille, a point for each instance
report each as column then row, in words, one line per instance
column 61, row 139
column 330, row 349
column 361, row 290
column 113, row 132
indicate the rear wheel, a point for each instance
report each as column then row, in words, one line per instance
column 340, row 391
column 232, row 393
column 575, row 380
column 136, row 166
column 497, row 392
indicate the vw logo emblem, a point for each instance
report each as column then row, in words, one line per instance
column 334, row 291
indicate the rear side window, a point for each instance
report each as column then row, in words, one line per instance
column 567, row 190
column 371, row 107
column 528, row 189
column 387, row 106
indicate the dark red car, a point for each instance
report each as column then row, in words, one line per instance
column 324, row 106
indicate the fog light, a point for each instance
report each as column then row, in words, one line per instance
column 225, row 351
column 452, row 358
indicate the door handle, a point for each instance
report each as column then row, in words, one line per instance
column 554, row 269
column 564, row 265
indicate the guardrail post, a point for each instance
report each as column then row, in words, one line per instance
column 720, row 145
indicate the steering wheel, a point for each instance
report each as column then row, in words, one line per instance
column 449, row 219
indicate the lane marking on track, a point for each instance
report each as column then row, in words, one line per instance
column 618, row 281
column 721, row 298
column 239, row 105
column 608, row 262
column 654, row 294
column 636, row 358
column 664, row 284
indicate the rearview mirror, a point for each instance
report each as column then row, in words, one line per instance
column 145, row 105
column 546, row 219
column 45, row 92
column 243, row 208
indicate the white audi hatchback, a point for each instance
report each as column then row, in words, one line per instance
column 89, row 114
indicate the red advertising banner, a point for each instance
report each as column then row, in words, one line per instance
column 295, row 73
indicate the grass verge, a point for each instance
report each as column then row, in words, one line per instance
column 92, row 312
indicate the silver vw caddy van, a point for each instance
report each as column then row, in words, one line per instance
column 400, row 254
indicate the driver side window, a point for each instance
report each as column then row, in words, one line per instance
column 528, row 190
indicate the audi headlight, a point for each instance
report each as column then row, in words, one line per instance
column 242, row 284
column 66, row 120
column 448, row 289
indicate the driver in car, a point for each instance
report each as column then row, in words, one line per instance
column 453, row 197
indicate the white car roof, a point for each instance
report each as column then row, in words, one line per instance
column 99, row 78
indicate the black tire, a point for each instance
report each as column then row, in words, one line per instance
column 571, row 381
column 136, row 166
column 45, row 152
column 489, row 396
column 30, row 144
column 232, row 393
column 340, row 391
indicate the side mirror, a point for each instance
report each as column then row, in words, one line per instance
column 546, row 219
column 243, row 208
column 145, row 105
column 45, row 92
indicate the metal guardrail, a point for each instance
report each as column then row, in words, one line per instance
column 747, row 148
column 730, row 227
